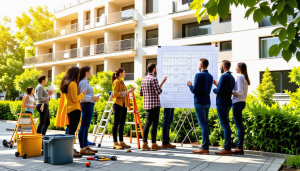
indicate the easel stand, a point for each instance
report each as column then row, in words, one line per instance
column 187, row 112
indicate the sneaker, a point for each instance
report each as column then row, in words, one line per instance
column 118, row 147
column 145, row 147
column 155, row 147
column 76, row 153
column 87, row 151
column 169, row 146
column 95, row 151
column 125, row 145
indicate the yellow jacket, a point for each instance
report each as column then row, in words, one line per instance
column 68, row 103
column 118, row 89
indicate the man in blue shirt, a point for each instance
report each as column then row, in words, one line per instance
column 224, row 92
column 201, row 90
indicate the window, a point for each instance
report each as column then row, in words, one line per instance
column 99, row 68
column 226, row 46
column 88, row 15
column 74, row 46
column 128, row 7
column 50, row 75
column 100, row 11
column 74, row 21
column 281, row 81
column 265, row 44
column 152, row 37
column 186, row 1
column 200, row 44
column 128, row 36
column 129, row 69
column 196, row 29
column 148, row 61
column 266, row 20
column 227, row 19
column 100, row 40
column 50, row 50
column 152, row 6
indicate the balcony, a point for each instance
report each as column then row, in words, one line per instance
column 69, row 5
column 152, row 42
column 122, row 16
column 183, row 5
column 100, row 21
column 129, row 76
column 87, row 51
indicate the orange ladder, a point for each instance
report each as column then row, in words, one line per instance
column 137, row 121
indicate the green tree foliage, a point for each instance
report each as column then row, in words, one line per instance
column 295, row 78
column 32, row 24
column 278, row 10
column 57, row 82
column 266, row 89
column 29, row 78
column 102, row 83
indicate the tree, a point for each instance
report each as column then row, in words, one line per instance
column 11, row 57
column 295, row 78
column 266, row 89
column 278, row 10
column 32, row 24
column 58, row 81
column 102, row 83
column 28, row 79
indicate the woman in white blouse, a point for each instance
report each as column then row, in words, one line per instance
column 239, row 104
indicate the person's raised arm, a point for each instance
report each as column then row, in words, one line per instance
column 196, row 84
column 157, row 88
column 74, row 90
column 240, row 86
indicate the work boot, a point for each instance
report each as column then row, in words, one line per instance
column 86, row 151
column 224, row 153
column 125, row 145
column 169, row 146
column 145, row 147
column 118, row 147
column 238, row 151
column 76, row 154
column 155, row 147
column 201, row 151
column 95, row 151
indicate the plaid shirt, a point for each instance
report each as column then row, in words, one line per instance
column 151, row 91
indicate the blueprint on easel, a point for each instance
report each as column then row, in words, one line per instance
column 181, row 64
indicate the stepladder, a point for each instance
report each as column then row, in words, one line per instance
column 133, row 109
column 104, row 121
column 19, row 124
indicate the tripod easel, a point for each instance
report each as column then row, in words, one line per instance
column 186, row 111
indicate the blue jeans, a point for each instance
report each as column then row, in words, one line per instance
column 202, row 116
column 168, row 119
column 87, row 115
column 223, row 113
column 237, row 109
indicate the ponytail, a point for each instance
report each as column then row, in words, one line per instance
column 116, row 74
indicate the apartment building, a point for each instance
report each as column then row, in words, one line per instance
column 106, row 34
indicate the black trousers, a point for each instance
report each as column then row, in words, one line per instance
column 44, row 119
column 74, row 118
column 120, row 113
column 152, row 117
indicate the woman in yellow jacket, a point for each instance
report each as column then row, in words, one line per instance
column 69, row 88
column 120, row 104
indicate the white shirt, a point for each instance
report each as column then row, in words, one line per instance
column 241, row 88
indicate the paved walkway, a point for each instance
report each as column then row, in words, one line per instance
column 171, row 160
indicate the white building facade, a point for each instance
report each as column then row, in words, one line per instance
column 106, row 34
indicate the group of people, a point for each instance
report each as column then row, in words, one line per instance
column 78, row 99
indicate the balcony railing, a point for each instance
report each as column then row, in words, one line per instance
column 129, row 76
column 30, row 60
column 100, row 21
column 122, row 16
column 69, row 5
column 97, row 49
column 152, row 42
column 66, row 54
column 128, row 44
column 69, row 29
column 86, row 24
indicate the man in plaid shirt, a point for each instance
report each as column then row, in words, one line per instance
column 151, row 91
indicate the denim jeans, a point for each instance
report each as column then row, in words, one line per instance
column 168, row 119
column 237, row 109
column 86, row 118
column 223, row 113
column 202, row 116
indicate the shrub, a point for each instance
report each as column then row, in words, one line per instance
column 53, row 107
column 5, row 113
column 52, row 123
column 292, row 161
column 58, row 81
column 295, row 78
column 266, row 89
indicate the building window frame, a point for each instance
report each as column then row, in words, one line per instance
column 183, row 2
column 260, row 47
column 183, row 28
column 100, row 65
column 221, row 45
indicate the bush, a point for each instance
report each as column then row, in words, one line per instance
column 266, row 89
column 293, row 161
column 5, row 113
column 52, row 123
